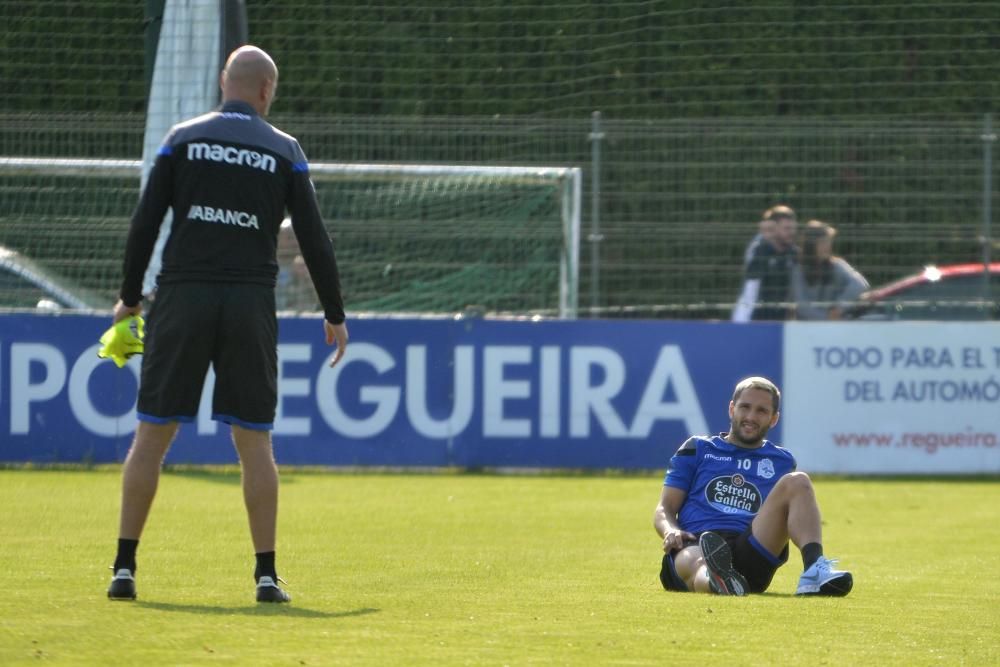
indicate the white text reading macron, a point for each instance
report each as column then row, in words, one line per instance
column 232, row 155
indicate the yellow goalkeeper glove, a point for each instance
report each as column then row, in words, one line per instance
column 123, row 340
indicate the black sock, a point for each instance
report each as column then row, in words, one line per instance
column 265, row 566
column 126, row 555
column 810, row 554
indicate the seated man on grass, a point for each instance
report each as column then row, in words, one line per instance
column 731, row 503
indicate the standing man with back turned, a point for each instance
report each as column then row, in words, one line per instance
column 229, row 177
column 731, row 503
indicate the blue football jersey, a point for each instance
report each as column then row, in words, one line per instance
column 725, row 484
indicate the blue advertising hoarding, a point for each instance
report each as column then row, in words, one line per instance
column 409, row 392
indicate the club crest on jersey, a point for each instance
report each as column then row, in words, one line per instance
column 734, row 494
column 765, row 469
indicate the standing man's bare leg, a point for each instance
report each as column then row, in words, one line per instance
column 141, row 475
column 140, row 479
column 260, row 485
column 260, row 495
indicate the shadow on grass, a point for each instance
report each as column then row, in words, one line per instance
column 258, row 610
column 229, row 475
column 219, row 474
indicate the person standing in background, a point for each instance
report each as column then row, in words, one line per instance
column 767, row 274
column 823, row 285
column 765, row 234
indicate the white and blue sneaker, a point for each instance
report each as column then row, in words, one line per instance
column 822, row 579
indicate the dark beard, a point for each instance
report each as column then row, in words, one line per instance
column 734, row 435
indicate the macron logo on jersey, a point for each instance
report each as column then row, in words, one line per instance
column 232, row 155
column 222, row 216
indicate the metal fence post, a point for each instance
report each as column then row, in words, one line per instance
column 595, row 237
column 989, row 138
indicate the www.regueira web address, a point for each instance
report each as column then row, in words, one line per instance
column 929, row 441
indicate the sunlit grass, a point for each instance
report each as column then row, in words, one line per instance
column 456, row 569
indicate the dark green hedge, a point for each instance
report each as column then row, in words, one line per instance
column 558, row 59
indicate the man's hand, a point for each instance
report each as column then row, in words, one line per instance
column 674, row 539
column 123, row 312
column 336, row 333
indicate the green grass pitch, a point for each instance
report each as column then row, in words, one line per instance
column 478, row 569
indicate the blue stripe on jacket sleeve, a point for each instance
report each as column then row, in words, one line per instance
column 165, row 150
column 300, row 166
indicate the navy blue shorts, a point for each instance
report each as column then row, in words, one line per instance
column 750, row 559
column 230, row 327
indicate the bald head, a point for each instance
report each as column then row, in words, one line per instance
column 250, row 76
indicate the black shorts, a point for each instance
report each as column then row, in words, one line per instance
column 231, row 327
column 750, row 559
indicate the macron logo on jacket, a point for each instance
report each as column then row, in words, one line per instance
column 232, row 155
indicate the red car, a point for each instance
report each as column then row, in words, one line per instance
column 952, row 292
